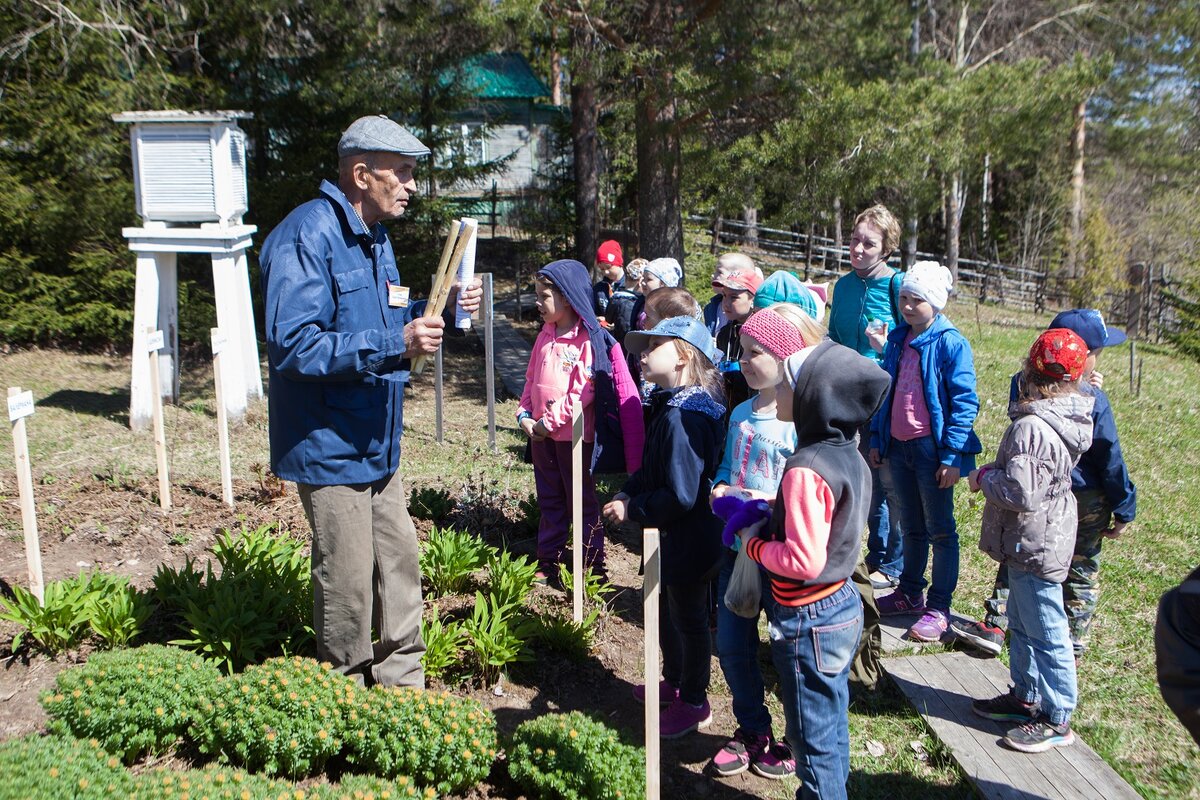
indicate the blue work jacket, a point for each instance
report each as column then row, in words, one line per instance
column 948, row 375
column 334, row 345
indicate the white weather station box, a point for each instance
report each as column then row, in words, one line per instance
column 188, row 166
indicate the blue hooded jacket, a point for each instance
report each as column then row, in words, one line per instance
column 948, row 376
column 571, row 278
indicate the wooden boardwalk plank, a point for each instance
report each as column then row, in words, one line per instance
column 941, row 688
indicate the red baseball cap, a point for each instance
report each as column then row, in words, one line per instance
column 1059, row 353
column 609, row 254
column 740, row 279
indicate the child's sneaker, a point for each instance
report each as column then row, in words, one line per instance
column 930, row 627
column 1039, row 735
column 1005, row 708
column 775, row 762
column 739, row 752
column 979, row 635
column 682, row 718
column 667, row 693
column 898, row 603
column 881, row 580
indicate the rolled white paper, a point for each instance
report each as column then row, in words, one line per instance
column 466, row 270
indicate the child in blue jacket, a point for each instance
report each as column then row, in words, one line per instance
column 924, row 436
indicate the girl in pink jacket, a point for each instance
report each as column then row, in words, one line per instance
column 575, row 367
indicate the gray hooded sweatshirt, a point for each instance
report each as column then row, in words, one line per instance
column 1030, row 517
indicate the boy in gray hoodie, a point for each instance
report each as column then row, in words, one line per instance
column 1029, row 525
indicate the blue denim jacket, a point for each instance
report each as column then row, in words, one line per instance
column 948, row 375
column 334, row 345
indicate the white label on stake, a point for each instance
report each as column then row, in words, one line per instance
column 219, row 340
column 20, row 405
column 155, row 341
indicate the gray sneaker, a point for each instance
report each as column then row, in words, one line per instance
column 1039, row 735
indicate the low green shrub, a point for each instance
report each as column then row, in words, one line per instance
column 215, row 782
column 448, row 559
column 443, row 645
column 132, row 702
column 437, row 739
column 429, row 503
column 574, row 757
column 53, row 767
column 496, row 636
column 57, row 624
column 118, row 611
column 281, row 717
column 510, row 577
column 369, row 787
column 258, row 605
column 564, row 635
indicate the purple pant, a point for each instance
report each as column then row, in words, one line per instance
column 552, row 476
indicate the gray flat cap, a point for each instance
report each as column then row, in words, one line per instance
column 378, row 134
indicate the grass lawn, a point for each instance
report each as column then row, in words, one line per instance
column 79, row 434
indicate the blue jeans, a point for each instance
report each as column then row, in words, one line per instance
column 737, row 650
column 813, row 647
column 885, row 540
column 927, row 513
column 1041, row 660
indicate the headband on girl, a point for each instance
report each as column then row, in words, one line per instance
column 773, row 332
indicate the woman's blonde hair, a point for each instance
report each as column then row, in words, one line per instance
column 1038, row 386
column 698, row 370
column 811, row 331
column 879, row 216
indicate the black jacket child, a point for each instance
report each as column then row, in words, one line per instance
column 670, row 492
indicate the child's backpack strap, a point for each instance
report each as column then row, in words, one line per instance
column 894, row 298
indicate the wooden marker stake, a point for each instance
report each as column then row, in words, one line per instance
column 577, row 509
column 445, row 279
column 154, row 343
column 650, row 601
column 218, row 344
column 20, row 406
column 489, row 358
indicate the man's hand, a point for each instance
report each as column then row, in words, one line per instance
column 1115, row 530
column 468, row 297
column 947, row 476
column 423, row 336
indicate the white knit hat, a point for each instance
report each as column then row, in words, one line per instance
column 666, row 270
column 929, row 281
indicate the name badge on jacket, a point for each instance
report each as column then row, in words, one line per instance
column 397, row 296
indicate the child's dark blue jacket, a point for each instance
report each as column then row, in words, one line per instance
column 671, row 490
column 948, row 374
column 1102, row 467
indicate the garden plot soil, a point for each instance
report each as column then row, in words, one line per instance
column 90, row 517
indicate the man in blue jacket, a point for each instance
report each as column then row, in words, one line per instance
column 340, row 330
column 1106, row 497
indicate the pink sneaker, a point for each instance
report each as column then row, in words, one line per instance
column 667, row 693
column 682, row 718
column 739, row 752
column 930, row 627
column 776, row 762
column 898, row 603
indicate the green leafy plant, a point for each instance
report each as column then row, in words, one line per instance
column 132, row 702
column 362, row 787
column 281, row 717
column 448, row 559
column 117, row 611
column 496, row 636
column 574, row 757
column 595, row 588
column 429, row 503
column 46, row 767
column 564, row 635
column 436, row 738
column 258, row 605
column 443, row 645
column 60, row 623
column 511, row 577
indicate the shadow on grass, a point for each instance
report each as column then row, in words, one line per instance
column 113, row 406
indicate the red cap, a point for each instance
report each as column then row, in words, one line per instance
column 740, row 279
column 1059, row 353
column 609, row 253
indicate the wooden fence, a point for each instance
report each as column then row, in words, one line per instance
column 1141, row 308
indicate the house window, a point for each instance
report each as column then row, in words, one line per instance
column 473, row 144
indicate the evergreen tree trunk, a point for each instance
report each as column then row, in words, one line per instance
column 1077, row 141
column 910, row 240
column 750, row 217
column 837, row 228
column 660, row 221
column 954, row 200
column 587, row 178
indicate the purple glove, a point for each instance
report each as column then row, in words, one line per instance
column 739, row 513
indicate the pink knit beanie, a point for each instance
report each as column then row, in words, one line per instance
column 773, row 332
